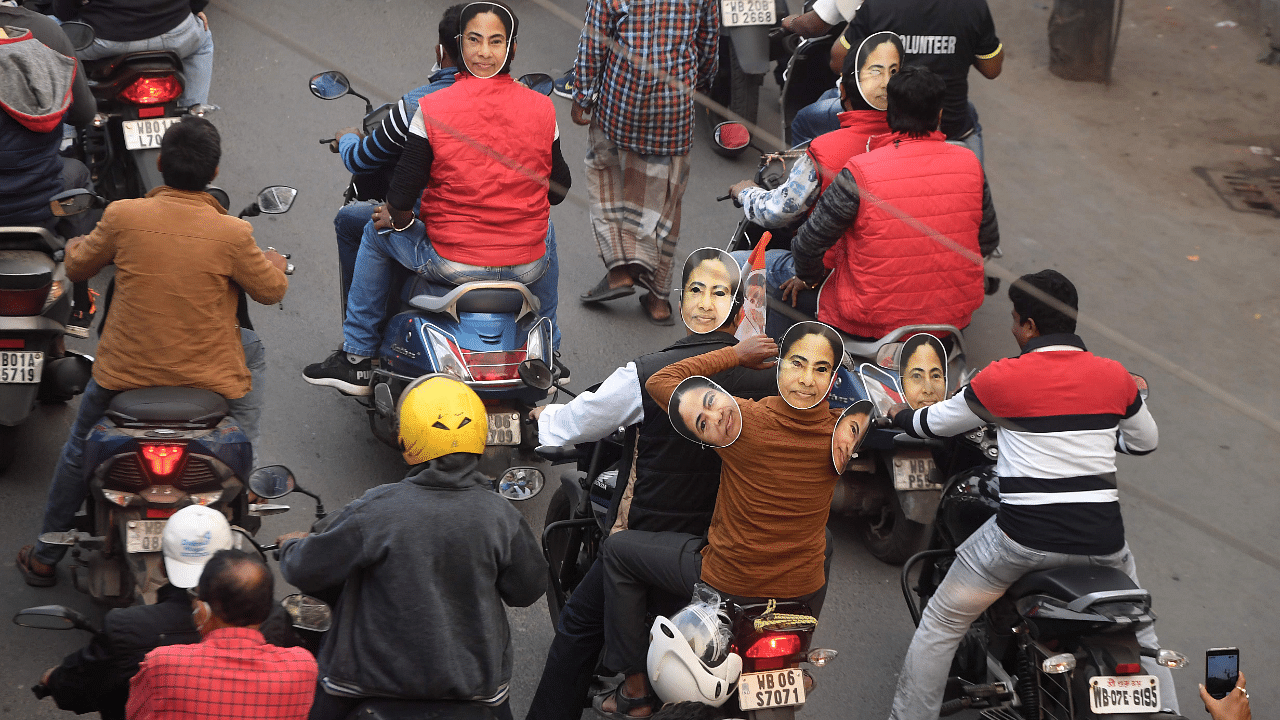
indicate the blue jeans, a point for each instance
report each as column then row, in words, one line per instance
column 973, row 140
column 348, row 226
column 379, row 252
column 780, row 267
column 822, row 116
column 192, row 43
column 70, row 484
column 574, row 652
column 986, row 565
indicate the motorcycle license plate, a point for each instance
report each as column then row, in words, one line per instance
column 504, row 429
column 1128, row 694
column 146, row 134
column 736, row 13
column 914, row 470
column 21, row 367
column 773, row 689
column 143, row 535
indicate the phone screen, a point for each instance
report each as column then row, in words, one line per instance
column 1221, row 671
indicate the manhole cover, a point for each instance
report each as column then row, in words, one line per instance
column 1246, row 190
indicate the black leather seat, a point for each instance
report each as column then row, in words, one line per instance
column 168, row 405
column 491, row 301
column 107, row 66
column 1069, row 583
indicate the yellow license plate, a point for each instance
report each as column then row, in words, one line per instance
column 773, row 689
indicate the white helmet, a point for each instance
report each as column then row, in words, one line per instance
column 678, row 674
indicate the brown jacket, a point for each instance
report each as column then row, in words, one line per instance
column 173, row 315
column 767, row 536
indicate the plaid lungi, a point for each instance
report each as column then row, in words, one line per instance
column 635, row 208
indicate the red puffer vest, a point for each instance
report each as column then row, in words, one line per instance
column 830, row 151
column 886, row 272
column 486, row 203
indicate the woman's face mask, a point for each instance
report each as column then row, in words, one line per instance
column 485, row 45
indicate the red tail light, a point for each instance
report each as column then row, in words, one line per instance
column 162, row 459
column 17, row 303
column 1128, row 668
column 152, row 90
column 12, row 343
column 494, row 365
column 774, row 646
column 158, row 512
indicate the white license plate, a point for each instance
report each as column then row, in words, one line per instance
column 143, row 535
column 914, row 470
column 504, row 429
column 146, row 134
column 773, row 689
column 20, row 367
column 1127, row 694
column 736, row 13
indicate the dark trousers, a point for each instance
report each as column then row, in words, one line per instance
column 335, row 707
column 634, row 561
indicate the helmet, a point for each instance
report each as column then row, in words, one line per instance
column 678, row 674
column 439, row 415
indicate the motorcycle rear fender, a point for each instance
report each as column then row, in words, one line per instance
column 16, row 402
column 751, row 43
column 148, row 170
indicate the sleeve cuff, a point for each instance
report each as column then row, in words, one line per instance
column 997, row 51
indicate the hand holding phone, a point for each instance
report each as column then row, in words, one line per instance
column 1221, row 671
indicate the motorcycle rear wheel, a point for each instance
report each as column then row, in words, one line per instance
column 890, row 537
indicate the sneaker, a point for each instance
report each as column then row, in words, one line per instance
column 81, row 319
column 338, row 372
column 564, row 85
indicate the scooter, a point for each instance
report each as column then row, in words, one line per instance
column 35, row 304
column 1060, row 644
column 156, row 451
column 747, row 46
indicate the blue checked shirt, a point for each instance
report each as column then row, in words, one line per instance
column 629, row 88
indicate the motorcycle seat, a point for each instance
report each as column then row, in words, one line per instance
column 106, row 67
column 29, row 238
column 1079, row 586
column 167, row 405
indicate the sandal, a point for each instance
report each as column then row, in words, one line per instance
column 670, row 319
column 625, row 704
column 602, row 292
column 34, row 577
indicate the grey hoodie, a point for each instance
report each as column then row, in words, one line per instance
column 428, row 563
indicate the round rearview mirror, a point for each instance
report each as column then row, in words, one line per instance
column 80, row 34
column 732, row 136
column 49, row 617
column 330, row 85
column 521, row 483
column 272, row 481
column 1141, row 382
column 276, row 199
column 535, row 374
column 308, row 613
column 220, row 195
column 540, row 83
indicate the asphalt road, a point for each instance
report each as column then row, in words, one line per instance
column 1089, row 180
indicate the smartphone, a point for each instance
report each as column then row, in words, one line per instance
column 1221, row 671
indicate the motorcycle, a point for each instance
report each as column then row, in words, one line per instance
column 807, row 75
column 1060, row 644
column 35, row 304
column 747, row 46
column 156, row 451
column 478, row 332
column 137, row 96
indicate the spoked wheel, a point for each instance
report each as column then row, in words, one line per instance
column 890, row 536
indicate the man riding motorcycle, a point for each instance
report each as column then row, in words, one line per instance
column 426, row 565
column 1061, row 415
column 180, row 262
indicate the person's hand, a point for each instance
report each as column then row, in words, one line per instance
column 581, row 115
column 757, row 352
column 276, row 259
column 535, row 413
column 737, row 188
column 388, row 218
column 1235, row 706
column 280, row 541
column 203, row 19
column 791, row 290
column 335, row 144
column 44, row 679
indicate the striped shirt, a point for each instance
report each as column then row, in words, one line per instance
column 659, row 43
column 1061, row 414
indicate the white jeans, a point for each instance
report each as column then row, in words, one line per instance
column 192, row 43
column 986, row 565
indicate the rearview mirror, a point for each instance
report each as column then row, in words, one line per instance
column 220, row 195
column 80, row 34
column 272, row 481
column 521, row 483
column 308, row 613
column 535, row 374
column 52, row 617
column 276, row 199
column 330, row 85
column 264, row 509
column 74, row 202
column 887, row 355
column 732, row 136
column 1141, row 382
column 540, row 83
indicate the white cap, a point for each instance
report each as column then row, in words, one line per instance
column 190, row 538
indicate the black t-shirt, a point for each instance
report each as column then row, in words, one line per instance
column 943, row 35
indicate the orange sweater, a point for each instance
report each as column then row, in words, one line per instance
column 767, row 534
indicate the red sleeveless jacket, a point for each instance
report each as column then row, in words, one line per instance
column 887, row 272
column 486, row 202
column 830, row 151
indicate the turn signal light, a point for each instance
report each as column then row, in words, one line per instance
column 1059, row 664
column 162, row 459
column 772, row 646
column 1171, row 658
column 118, row 497
column 1128, row 668
column 152, row 90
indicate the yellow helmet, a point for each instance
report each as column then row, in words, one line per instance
column 438, row 416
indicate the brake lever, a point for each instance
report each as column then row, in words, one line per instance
column 326, row 141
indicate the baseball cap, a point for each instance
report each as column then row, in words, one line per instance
column 190, row 538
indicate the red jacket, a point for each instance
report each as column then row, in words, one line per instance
column 830, row 151
column 887, row 271
column 486, row 203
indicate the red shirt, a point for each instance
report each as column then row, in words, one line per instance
column 232, row 674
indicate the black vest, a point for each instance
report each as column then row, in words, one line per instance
column 676, row 479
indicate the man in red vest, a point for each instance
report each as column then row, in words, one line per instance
column 899, row 237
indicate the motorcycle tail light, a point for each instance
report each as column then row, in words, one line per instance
column 12, row 343
column 1128, row 668
column 448, row 354
column 17, row 303
column 119, row 497
column 494, row 365
column 152, row 90
column 158, row 513
column 774, row 646
column 162, row 458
